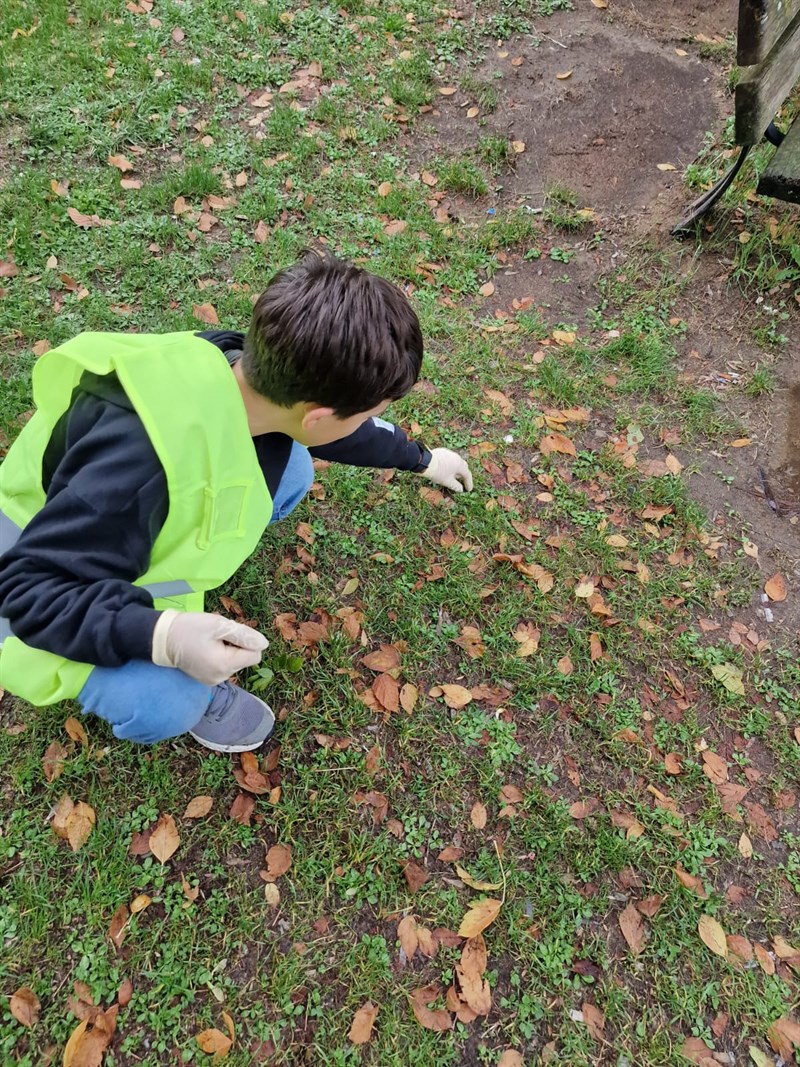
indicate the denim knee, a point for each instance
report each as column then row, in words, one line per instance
column 297, row 479
column 145, row 703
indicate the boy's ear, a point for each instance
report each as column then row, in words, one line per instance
column 314, row 414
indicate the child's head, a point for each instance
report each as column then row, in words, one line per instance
column 328, row 337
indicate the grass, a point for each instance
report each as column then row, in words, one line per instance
column 559, row 725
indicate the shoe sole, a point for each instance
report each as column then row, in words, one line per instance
column 214, row 747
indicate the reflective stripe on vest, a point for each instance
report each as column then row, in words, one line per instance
column 10, row 534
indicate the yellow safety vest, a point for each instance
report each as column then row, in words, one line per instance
column 183, row 391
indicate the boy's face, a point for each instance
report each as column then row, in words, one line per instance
column 322, row 426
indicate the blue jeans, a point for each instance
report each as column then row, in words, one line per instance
column 146, row 703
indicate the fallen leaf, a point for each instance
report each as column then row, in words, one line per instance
column 565, row 666
column 712, row 935
column 165, row 839
column 690, row 881
column 8, row 268
column 672, row 763
column 564, row 337
column 475, row 883
column 633, row 929
column 53, row 760
column 391, row 229
column 206, row 313
column 189, row 892
column 140, row 903
column 487, row 289
column 478, row 815
column 665, row 166
column 385, row 660
column 439, row 1020
column 775, row 588
column 384, row 188
column 261, row 232
column 429, row 179
column 40, row 347
column 585, row 589
column 408, row 935
column 408, row 697
column 595, row 1020
column 557, row 442
column 90, row 1039
column 214, row 1041
column 759, row 821
column 25, row 1006
column 715, row 767
column 563, row 75
column 478, row 917
column 86, row 222
column 279, row 860
column 130, row 183
column 765, row 961
column 512, row 1058
column 602, row 4
column 456, row 696
column 475, row 989
column 272, row 895
column 178, row 35
column 415, row 875
column 450, row 854
column 121, row 163
column 242, row 809
column 119, row 925
column 125, row 993
column 745, row 847
column 784, row 1036
column 361, row 1030
column 471, row 641
column 730, row 676
column 386, row 691
column 447, row 90
column 241, row 179
column 528, row 637
column 198, row 807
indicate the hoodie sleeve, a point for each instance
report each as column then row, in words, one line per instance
column 377, row 443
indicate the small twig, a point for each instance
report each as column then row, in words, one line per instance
column 502, row 871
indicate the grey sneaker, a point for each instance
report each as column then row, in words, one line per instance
column 236, row 721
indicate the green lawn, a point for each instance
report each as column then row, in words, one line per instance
column 598, row 765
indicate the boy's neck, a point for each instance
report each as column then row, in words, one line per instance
column 262, row 415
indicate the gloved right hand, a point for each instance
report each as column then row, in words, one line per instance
column 206, row 647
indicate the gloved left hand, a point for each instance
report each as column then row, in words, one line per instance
column 447, row 468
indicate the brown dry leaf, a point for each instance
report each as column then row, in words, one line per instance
column 88, row 1042
column 121, row 163
column 385, row 660
column 214, row 1041
column 557, row 442
column 562, row 77
column 40, row 347
column 119, row 925
column 409, row 695
column 511, row 1058
column 439, row 1020
column 715, row 767
column 479, row 916
column 279, row 860
column 25, row 1006
column 471, row 641
column 487, row 289
column 447, row 90
column 78, row 824
column 595, row 1020
column 8, row 268
column 456, row 696
column 759, row 821
column 765, row 961
column 242, row 809
column 272, row 895
column 565, row 666
column 178, row 35
column 165, row 839
column 672, row 763
column 125, row 993
column 386, row 691
column 206, row 313
column 261, row 232
column 775, row 588
column 745, row 847
column 53, row 761
column 784, row 1036
column 478, row 815
column 361, row 1030
column 395, row 227
column 429, row 179
column 528, row 637
column 384, row 188
column 86, row 222
column 475, row 989
column 415, row 875
column 712, row 935
column 408, row 935
column 450, row 854
column 690, row 881
column 602, row 4
column 633, row 929
column 518, row 147
column 198, row 807
column 76, row 731
column 190, row 893
column 241, row 179
column 564, row 337
column 595, row 647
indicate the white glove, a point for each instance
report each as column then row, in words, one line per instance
column 206, row 647
column 448, row 469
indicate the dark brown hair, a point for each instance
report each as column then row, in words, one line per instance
column 325, row 332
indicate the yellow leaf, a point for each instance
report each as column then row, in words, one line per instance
column 564, row 337
column 584, row 589
column 712, row 935
column 602, row 4
column 518, row 147
column 474, row 883
column 562, row 77
column 447, row 90
column 456, row 696
column 745, row 847
column 473, row 112
column 478, row 815
column 617, row 541
column 665, row 166
column 480, row 916
column 730, row 676
column 140, row 903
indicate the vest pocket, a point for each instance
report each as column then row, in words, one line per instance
column 223, row 514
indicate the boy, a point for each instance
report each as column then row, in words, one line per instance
column 148, row 474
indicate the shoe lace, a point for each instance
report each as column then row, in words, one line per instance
column 221, row 701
